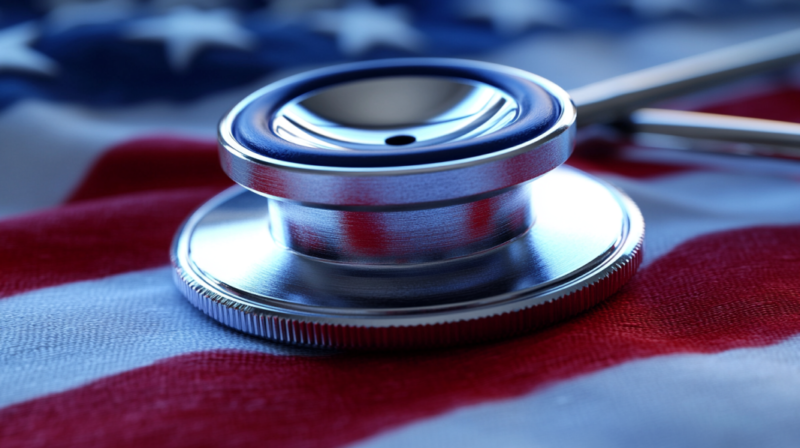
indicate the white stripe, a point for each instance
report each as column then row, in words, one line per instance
column 47, row 148
column 739, row 398
column 679, row 207
column 59, row 338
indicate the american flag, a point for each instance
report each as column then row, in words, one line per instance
column 108, row 112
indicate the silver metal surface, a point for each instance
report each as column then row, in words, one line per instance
column 232, row 269
column 614, row 98
column 403, row 186
column 743, row 130
column 700, row 146
column 408, row 111
column 398, row 256
column 405, row 235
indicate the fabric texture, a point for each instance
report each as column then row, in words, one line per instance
column 107, row 143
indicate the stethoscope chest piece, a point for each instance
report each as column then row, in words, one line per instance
column 404, row 203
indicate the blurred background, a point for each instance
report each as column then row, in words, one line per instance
column 108, row 51
column 108, row 114
column 82, row 75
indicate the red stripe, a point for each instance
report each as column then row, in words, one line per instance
column 717, row 292
column 778, row 105
column 607, row 156
column 122, row 216
column 92, row 239
column 628, row 168
column 153, row 163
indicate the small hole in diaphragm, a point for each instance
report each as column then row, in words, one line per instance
column 399, row 140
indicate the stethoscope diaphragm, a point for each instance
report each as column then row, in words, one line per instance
column 404, row 203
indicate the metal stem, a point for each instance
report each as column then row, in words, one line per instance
column 716, row 127
column 612, row 99
column 698, row 125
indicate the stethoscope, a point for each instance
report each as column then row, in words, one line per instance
column 423, row 202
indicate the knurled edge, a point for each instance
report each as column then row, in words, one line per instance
column 324, row 335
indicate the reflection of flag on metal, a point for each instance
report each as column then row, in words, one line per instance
column 107, row 122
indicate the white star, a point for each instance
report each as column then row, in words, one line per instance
column 360, row 26
column 16, row 54
column 659, row 8
column 186, row 31
column 515, row 16
column 70, row 15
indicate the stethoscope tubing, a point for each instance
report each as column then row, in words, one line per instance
column 616, row 100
